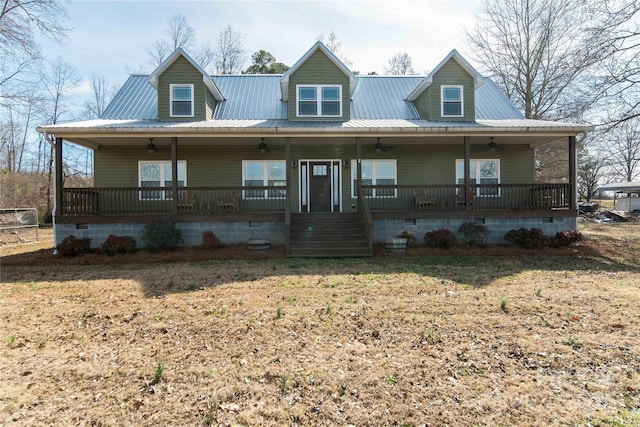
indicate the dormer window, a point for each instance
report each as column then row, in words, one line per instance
column 452, row 101
column 319, row 101
column 181, row 102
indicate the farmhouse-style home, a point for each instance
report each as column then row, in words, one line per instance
column 319, row 159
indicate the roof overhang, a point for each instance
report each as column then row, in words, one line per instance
column 94, row 133
column 284, row 81
column 624, row 187
column 478, row 80
column 206, row 78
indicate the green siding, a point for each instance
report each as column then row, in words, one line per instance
column 221, row 165
column 182, row 72
column 429, row 102
column 317, row 70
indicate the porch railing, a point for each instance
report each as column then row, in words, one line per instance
column 158, row 200
column 425, row 198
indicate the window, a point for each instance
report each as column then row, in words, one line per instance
column 181, row 102
column 319, row 101
column 375, row 172
column 452, row 102
column 481, row 172
column 264, row 174
column 158, row 174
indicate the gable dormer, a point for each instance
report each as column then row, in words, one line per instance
column 318, row 86
column 185, row 91
column 447, row 94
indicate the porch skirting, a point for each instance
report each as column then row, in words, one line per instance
column 227, row 232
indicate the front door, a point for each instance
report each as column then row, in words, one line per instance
column 320, row 187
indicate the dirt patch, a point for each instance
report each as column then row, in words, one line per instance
column 462, row 339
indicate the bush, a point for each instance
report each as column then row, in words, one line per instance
column 566, row 238
column 161, row 236
column 72, row 246
column 442, row 238
column 119, row 245
column 210, row 241
column 412, row 242
column 525, row 238
column 473, row 233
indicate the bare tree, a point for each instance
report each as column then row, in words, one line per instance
column 335, row 47
column 58, row 80
column 591, row 170
column 95, row 106
column 18, row 48
column 229, row 55
column 400, row 65
column 180, row 35
column 622, row 150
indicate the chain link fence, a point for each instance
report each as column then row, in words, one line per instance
column 18, row 226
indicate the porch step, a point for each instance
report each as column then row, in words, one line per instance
column 328, row 235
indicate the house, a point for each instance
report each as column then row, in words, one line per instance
column 319, row 159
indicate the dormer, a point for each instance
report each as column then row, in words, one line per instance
column 447, row 94
column 185, row 91
column 318, row 86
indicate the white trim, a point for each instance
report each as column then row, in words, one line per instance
column 265, row 177
column 374, row 178
column 181, row 85
column 442, row 89
column 162, row 187
column 318, row 89
column 477, row 176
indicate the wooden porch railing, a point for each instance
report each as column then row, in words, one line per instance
column 425, row 198
column 156, row 200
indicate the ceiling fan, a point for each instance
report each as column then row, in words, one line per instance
column 492, row 146
column 151, row 147
column 381, row 148
column 264, row 148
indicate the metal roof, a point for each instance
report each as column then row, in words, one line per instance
column 258, row 97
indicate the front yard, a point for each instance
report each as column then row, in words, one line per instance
column 454, row 338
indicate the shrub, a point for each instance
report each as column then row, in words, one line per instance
column 473, row 233
column 412, row 242
column 161, row 236
column 442, row 238
column 119, row 245
column 566, row 238
column 525, row 238
column 210, row 241
column 72, row 246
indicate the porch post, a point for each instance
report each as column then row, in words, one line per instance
column 358, row 162
column 58, row 209
column 467, row 175
column 288, row 168
column 174, row 175
column 573, row 166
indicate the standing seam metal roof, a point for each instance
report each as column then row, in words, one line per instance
column 258, row 97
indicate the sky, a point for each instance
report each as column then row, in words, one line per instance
column 111, row 39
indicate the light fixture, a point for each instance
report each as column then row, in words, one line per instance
column 151, row 147
column 492, row 145
column 262, row 147
column 294, row 164
column 346, row 163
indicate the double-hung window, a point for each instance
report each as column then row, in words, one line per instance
column 375, row 172
column 484, row 171
column 158, row 174
column 452, row 101
column 319, row 101
column 181, row 102
column 270, row 173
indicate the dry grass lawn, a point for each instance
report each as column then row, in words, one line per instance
column 462, row 338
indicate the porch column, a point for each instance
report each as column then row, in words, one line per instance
column 58, row 190
column 573, row 166
column 358, row 162
column 467, row 175
column 174, row 175
column 288, row 168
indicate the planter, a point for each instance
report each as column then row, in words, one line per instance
column 397, row 244
column 258, row 244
